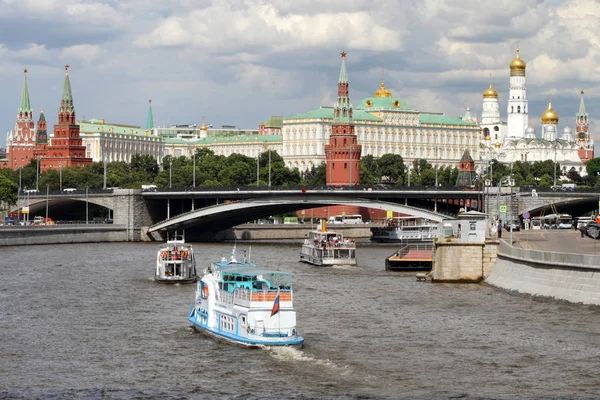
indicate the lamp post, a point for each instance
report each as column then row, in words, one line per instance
column 37, row 174
column 170, row 171
column 86, row 205
column 257, row 169
column 555, row 142
column 47, row 193
column 409, row 170
column 60, row 176
column 104, row 183
column 194, row 169
column 269, row 167
column 436, row 178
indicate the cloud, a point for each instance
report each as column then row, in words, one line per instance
column 83, row 52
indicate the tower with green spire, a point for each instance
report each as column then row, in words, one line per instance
column 25, row 111
column 466, row 171
column 342, row 153
column 66, row 112
column 150, row 118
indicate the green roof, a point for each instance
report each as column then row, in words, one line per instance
column 227, row 139
column 98, row 125
column 327, row 113
column 66, row 103
column 274, row 122
column 150, row 118
column 392, row 103
column 438, row 119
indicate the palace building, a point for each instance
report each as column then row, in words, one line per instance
column 383, row 124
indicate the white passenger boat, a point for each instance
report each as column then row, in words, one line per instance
column 239, row 303
column 327, row 248
column 175, row 262
column 404, row 230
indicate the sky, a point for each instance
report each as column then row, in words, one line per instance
column 238, row 62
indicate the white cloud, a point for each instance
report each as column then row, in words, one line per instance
column 83, row 52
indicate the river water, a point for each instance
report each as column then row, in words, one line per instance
column 88, row 321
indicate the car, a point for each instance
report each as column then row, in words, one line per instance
column 516, row 225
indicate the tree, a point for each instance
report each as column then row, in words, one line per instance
column 593, row 166
column 8, row 190
column 390, row 168
column 316, row 175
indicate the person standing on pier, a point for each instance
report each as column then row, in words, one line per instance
column 499, row 228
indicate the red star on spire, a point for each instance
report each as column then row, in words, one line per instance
column 343, row 54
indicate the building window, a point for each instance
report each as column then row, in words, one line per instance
column 512, row 109
column 345, row 165
column 519, row 109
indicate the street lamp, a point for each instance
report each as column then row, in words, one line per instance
column 104, row 185
column 37, row 174
column 86, row 204
column 47, row 192
column 409, row 157
column 194, row 170
column 170, row 170
column 269, row 167
column 555, row 142
column 257, row 169
column 60, row 175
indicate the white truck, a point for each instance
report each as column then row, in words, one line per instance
column 148, row 188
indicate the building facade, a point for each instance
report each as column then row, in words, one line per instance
column 515, row 140
column 383, row 124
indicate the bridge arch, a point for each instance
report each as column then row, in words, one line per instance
column 228, row 215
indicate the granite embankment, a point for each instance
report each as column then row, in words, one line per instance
column 563, row 276
column 96, row 233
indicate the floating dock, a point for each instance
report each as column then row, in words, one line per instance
column 411, row 257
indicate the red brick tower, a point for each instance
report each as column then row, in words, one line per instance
column 21, row 141
column 66, row 147
column 343, row 153
column 41, row 138
column 586, row 146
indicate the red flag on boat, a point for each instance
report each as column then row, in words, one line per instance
column 275, row 308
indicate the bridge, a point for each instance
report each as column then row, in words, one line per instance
column 214, row 209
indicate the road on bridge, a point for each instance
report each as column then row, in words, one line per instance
column 555, row 240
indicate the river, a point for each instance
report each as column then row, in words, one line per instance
column 88, row 321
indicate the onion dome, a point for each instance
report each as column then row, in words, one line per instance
column 203, row 127
column 567, row 130
column 490, row 93
column 497, row 145
column 549, row 116
column 382, row 91
column 517, row 64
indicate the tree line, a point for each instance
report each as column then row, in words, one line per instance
column 213, row 170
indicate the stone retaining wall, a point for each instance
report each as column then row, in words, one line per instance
column 564, row 276
column 62, row 234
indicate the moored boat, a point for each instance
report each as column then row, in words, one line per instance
column 242, row 304
column 328, row 248
column 175, row 262
column 404, row 230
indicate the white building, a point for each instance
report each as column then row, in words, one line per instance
column 383, row 124
column 515, row 140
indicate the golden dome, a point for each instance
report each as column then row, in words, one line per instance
column 382, row 92
column 490, row 93
column 549, row 116
column 517, row 64
column 203, row 127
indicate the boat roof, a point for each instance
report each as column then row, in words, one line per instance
column 252, row 271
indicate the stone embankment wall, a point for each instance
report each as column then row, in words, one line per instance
column 456, row 261
column 564, row 276
column 62, row 234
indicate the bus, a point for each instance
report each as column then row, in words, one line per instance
column 345, row 219
column 557, row 221
column 565, row 221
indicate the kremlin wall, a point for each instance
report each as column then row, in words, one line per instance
column 338, row 135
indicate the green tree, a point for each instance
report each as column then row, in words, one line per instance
column 390, row 168
column 316, row 175
column 592, row 167
column 8, row 190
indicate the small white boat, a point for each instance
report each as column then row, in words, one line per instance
column 328, row 248
column 239, row 303
column 175, row 262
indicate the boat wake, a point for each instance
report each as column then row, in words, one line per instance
column 281, row 353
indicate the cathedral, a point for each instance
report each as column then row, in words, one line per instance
column 516, row 140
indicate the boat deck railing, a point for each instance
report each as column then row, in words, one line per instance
column 248, row 295
column 414, row 252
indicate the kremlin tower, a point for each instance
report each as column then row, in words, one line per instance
column 65, row 148
column 21, row 141
column 343, row 152
column 586, row 146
